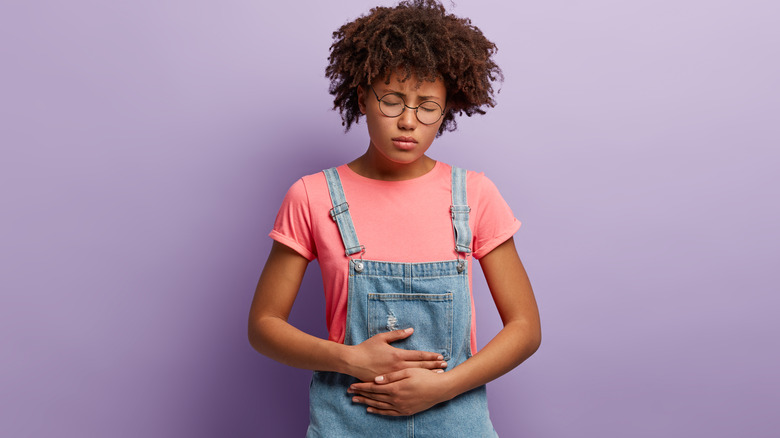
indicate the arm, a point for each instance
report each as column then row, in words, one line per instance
column 409, row 391
column 273, row 336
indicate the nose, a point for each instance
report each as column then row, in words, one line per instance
column 407, row 119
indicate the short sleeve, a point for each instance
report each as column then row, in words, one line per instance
column 293, row 222
column 494, row 221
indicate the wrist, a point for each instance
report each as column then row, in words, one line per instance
column 455, row 382
column 344, row 359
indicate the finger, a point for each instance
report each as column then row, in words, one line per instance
column 377, row 400
column 430, row 364
column 371, row 402
column 388, row 378
column 385, row 379
column 388, row 412
column 366, row 388
column 417, row 355
column 397, row 335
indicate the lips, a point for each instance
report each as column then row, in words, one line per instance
column 404, row 143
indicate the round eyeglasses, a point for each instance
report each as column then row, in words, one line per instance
column 393, row 105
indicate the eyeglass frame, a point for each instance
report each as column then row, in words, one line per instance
column 415, row 108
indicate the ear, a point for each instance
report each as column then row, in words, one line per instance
column 361, row 95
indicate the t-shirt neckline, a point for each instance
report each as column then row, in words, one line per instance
column 345, row 170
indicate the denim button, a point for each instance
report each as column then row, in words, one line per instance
column 359, row 267
column 461, row 266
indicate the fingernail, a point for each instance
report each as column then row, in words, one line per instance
column 354, row 399
column 439, row 357
column 380, row 379
column 350, row 391
column 439, row 371
column 444, row 364
column 409, row 330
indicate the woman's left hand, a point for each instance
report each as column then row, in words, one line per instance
column 404, row 392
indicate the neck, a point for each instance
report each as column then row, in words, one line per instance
column 373, row 165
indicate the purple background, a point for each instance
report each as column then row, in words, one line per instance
column 147, row 145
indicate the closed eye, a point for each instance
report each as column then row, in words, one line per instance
column 430, row 107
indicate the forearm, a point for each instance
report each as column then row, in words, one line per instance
column 268, row 329
column 276, row 338
column 515, row 343
column 522, row 333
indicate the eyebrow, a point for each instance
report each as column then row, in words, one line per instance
column 422, row 98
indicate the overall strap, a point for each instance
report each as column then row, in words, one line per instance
column 340, row 213
column 460, row 211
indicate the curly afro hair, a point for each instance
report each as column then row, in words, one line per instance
column 418, row 38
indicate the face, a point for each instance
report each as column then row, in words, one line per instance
column 401, row 140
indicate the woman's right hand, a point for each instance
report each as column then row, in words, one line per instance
column 375, row 356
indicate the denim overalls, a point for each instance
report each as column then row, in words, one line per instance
column 383, row 296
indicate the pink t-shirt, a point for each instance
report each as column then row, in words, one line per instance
column 397, row 221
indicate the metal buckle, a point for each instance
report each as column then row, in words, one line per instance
column 358, row 264
column 344, row 206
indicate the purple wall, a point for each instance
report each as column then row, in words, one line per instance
column 147, row 145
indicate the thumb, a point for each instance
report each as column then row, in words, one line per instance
column 397, row 335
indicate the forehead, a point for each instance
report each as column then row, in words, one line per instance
column 411, row 86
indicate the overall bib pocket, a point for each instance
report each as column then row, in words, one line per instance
column 431, row 316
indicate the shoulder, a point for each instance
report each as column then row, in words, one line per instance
column 313, row 180
column 310, row 191
column 473, row 177
column 478, row 185
column 478, row 179
column 306, row 186
column 493, row 220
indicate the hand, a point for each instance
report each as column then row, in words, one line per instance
column 404, row 392
column 375, row 356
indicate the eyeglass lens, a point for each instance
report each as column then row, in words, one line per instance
column 428, row 112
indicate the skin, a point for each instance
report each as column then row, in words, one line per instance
column 385, row 160
column 396, row 381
